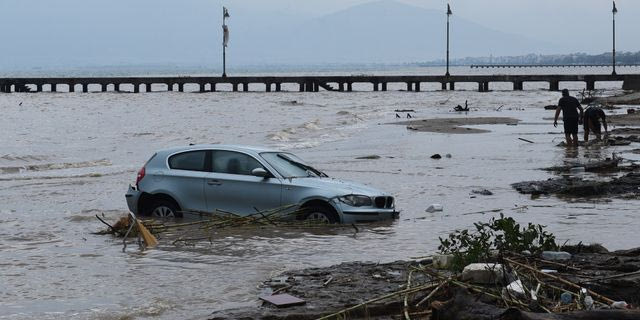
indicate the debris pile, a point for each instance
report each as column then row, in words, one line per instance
column 206, row 224
column 497, row 281
column 514, row 287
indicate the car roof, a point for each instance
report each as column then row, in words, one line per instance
column 230, row 147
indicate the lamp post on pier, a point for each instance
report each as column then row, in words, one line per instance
column 614, row 11
column 225, row 40
column 449, row 13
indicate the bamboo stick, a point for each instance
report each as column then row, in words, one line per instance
column 567, row 282
column 387, row 296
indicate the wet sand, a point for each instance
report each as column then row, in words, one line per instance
column 456, row 125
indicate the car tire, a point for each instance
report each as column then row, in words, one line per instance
column 163, row 209
column 320, row 214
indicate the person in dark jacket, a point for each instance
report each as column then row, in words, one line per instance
column 592, row 118
column 570, row 116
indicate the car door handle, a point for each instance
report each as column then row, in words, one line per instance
column 214, row 183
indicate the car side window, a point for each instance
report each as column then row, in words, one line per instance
column 192, row 161
column 233, row 163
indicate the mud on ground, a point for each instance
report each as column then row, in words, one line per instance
column 331, row 289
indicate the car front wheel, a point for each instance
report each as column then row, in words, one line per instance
column 321, row 214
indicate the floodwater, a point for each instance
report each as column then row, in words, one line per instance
column 65, row 157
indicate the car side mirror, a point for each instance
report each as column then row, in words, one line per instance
column 260, row 172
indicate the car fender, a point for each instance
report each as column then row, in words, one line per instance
column 329, row 201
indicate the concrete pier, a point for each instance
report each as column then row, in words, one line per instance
column 304, row 83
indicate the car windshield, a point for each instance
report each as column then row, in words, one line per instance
column 290, row 166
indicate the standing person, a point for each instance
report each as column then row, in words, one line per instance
column 592, row 118
column 569, row 106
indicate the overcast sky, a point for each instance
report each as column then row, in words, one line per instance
column 87, row 31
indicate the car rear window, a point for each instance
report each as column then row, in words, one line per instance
column 234, row 163
column 192, row 161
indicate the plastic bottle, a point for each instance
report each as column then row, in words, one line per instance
column 566, row 298
column 588, row 303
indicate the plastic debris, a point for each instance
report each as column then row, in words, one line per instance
column 619, row 305
column 516, row 288
column 483, row 273
column 442, row 261
column 435, row 207
column 556, row 255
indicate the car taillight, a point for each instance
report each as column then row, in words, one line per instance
column 141, row 174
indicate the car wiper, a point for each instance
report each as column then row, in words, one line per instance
column 303, row 166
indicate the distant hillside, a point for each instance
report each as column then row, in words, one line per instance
column 388, row 32
column 555, row 59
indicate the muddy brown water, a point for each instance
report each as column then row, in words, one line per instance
column 66, row 157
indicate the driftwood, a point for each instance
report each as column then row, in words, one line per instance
column 464, row 306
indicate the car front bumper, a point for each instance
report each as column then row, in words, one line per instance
column 132, row 196
column 369, row 215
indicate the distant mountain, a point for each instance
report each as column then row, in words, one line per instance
column 387, row 32
column 187, row 33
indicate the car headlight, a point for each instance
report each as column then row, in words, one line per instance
column 356, row 200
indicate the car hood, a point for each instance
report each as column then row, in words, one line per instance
column 337, row 186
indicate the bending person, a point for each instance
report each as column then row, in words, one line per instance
column 592, row 118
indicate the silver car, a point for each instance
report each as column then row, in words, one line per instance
column 244, row 180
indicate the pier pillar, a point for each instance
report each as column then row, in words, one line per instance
column 103, row 87
column 72, row 87
column 201, row 87
column 85, row 88
column 444, row 86
column 480, row 86
column 417, row 86
column 591, row 85
column 384, row 86
column 54, row 87
column 213, row 87
column 268, row 87
column 349, row 86
column 181, row 87
column 554, row 85
column 375, row 86
column 301, row 84
column 169, row 86
column 409, row 86
column 116, row 87
column 517, row 85
column 147, row 87
column 38, row 87
column 452, row 86
column 341, row 86
column 136, row 88
column 278, row 87
column 245, row 87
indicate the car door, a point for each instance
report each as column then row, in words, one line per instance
column 231, row 186
column 185, row 179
